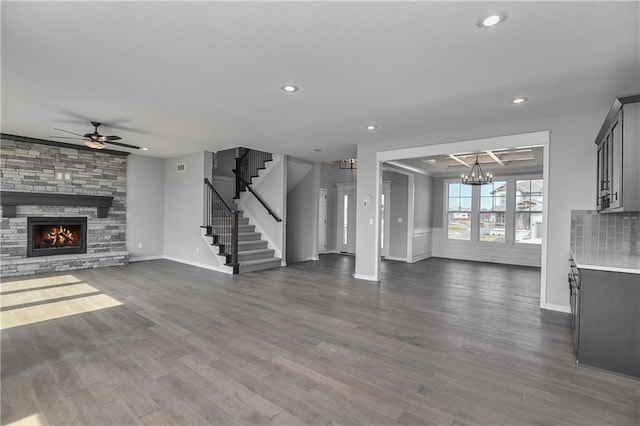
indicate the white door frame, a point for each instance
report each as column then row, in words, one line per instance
column 386, row 237
column 321, row 250
column 521, row 140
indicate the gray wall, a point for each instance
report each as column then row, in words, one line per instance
column 225, row 162
column 302, row 218
column 184, row 210
column 398, row 208
column 145, row 201
column 437, row 198
column 423, row 194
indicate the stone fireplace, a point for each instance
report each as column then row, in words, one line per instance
column 63, row 207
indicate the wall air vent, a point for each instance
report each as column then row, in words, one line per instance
column 180, row 167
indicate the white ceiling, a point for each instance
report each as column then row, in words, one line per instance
column 181, row 77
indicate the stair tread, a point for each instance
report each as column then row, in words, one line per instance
column 256, row 251
column 260, row 261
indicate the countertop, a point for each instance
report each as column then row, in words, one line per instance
column 604, row 261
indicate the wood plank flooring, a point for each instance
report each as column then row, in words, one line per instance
column 436, row 342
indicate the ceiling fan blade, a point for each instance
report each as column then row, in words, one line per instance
column 66, row 131
column 65, row 137
column 112, row 138
column 126, row 145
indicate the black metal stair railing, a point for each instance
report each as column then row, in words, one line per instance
column 247, row 167
column 221, row 224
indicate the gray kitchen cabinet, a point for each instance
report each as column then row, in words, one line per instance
column 608, row 314
column 618, row 160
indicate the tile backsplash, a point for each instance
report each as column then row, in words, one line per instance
column 615, row 233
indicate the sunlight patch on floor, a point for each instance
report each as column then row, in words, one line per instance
column 44, row 294
column 32, row 420
column 49, row 311
column 38, row 282
column 40, row 292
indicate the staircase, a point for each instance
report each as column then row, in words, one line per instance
column 229, row 229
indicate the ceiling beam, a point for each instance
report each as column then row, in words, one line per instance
column 495, row 158
column 459, row 160
column 399, row 165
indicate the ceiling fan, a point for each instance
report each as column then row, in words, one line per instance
column 96, row 140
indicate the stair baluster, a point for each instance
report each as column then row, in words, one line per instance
column 222, row 225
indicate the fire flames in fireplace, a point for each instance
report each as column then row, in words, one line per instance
column 50, row 236
column 46, row 236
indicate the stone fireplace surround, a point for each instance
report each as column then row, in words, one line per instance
column 51, row 169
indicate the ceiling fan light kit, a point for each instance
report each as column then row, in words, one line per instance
column 476, row 176
column 94, row 144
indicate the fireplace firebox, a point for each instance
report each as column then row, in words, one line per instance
column 48, row 236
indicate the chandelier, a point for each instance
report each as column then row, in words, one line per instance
column 476, row 176
column 349, row 163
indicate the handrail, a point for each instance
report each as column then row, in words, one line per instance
column 222, row 225
column 247, row 185
column 210, row 185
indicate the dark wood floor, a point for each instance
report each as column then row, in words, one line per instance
column 436, row 342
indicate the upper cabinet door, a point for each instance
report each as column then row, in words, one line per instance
column 618, row 185
column 616, row 164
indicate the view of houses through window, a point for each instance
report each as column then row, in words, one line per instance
column 493, row 203
column 459, row 212
column 528, row 223
column 489, row 209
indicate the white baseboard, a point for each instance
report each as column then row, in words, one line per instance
column 399, row 259
column 365, row 277
column 420, row 256
column 331, row 252
column 228, row 270
column 557, row 308
column 143, row 258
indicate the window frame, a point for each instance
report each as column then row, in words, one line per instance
column 447, row 211
column 510, row 210
column 493, row 210
column 529, row 211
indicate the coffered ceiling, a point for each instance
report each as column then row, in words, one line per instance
column 497, row 161
column 180, row 77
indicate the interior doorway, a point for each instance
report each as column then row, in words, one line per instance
column 520, row 141
column 385, row 215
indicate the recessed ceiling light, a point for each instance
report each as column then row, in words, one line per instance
column 519, row 100
column 317, row 150
column 289, row 88
column 371, row 127
column 145, row 148
column 492, row 20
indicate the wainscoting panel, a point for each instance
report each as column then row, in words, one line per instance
column 422, row 244
column 511, row 254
